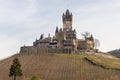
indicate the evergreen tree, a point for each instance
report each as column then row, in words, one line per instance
column 15, row 69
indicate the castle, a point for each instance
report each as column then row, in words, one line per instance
column 64, row 40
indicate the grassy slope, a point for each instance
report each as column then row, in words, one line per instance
column 107, row 63
column 63, row 67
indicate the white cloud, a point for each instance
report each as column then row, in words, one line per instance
column 8, row 46
column 13, row 12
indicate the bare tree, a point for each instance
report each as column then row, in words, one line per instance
column 86, row 34
column 96, row 43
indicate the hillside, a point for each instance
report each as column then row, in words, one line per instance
column 64, row 67
column 115, row 52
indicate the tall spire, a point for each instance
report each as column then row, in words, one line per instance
column 56, row 31
column 91, row 37
column 49, row 35
column 67, row 16
column 67, row 13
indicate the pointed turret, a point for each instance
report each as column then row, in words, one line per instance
column 49, row 35
column 41, row 36
column 67, row 13
column 67, row 16
column 60, row 30
column 56, row 31
column 91, row 37
column 74, row 30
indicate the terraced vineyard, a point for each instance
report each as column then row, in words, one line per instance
column 63, row 67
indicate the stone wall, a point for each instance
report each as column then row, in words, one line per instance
column 32, row 49
column 39, row 50
column 54, row 50
column 28, row 49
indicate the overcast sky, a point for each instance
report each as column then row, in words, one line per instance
column 22, row 21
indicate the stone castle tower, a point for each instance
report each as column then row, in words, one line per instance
column 67, row 21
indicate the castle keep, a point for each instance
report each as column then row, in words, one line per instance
column 64, row 40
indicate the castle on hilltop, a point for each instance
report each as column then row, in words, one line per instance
column 64, row 41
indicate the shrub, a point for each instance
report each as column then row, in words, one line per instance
column 35, row 78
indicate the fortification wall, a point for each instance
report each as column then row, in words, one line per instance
column 54, row 50
column 38, row 50
column 33, row 49
column 42, row 49
column 28, row 49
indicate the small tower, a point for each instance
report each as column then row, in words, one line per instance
column 91, row 37
column 56, row 31
column 67, row 21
